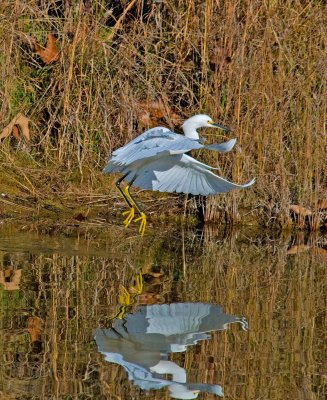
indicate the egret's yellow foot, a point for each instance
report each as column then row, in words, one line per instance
column 130, row 216
column 142, row 218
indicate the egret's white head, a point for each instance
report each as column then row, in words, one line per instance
column 191, row 125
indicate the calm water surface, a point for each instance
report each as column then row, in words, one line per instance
column 176, row 314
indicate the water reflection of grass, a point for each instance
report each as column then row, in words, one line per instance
column 283, row 297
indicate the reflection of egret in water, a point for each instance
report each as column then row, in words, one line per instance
column 142, row 341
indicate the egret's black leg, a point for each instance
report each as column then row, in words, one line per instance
column 129, row 196
column 121, row 190
column 131, row 212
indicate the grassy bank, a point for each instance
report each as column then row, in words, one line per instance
column 258, row 67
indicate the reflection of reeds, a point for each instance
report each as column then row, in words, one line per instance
column 258, row 67
column 283, row 297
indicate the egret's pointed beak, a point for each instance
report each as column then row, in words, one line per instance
column 224, row 128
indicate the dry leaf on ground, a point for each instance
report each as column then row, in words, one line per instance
column 149, row 298
column 150, row 112
column 322, row 252
column 144, row 118
column 19, row 124
column 303, row 212
column 10, row 279
column 322, row 204
column 155, row 108
column 298, row 248
column 50, row 53
column 34, row 327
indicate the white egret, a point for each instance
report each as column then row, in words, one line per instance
column 157, row 160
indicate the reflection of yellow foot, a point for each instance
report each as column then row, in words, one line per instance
column 138, row 288
column 142, row 218
column 127, row 297
column 130, row 216
column 139, row 282
column 124, row 297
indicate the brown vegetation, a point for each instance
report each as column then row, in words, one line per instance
column 258, row 67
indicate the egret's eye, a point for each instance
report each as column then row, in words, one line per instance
column 210, row 122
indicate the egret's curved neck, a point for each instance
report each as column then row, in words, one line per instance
column 190, row 130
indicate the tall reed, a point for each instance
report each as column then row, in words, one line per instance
column 258, row 67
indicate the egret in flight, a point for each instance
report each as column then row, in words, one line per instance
column 157, row 160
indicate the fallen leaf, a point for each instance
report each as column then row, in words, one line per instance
column 322, row 252
column 322, row 204
column 10, row 279
column 298, row 248
column 145, row 118
column 149, row 298
column 303, row 212
column 34, row 327
column 50, row 53
column 19, row 121
column 15, row 132
column 156, row 109
column 150, row 112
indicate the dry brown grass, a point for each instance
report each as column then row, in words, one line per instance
column 258, row 67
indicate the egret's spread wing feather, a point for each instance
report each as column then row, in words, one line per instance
column 182, row 174
column 155, row 142
column 222, row 147
column 159, row 130
column 157, row 133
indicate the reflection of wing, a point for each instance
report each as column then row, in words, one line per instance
column 176, row 319
column 182, row 174
column 141, row 342
column 179, row 318
column 131, row 347
column 162, row 328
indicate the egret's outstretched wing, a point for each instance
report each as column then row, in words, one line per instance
column 151, row 144
column 155, row 143
column 181, row 173
column 157, row 131
column 222, row 147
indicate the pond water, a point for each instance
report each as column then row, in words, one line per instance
column 177, row 314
